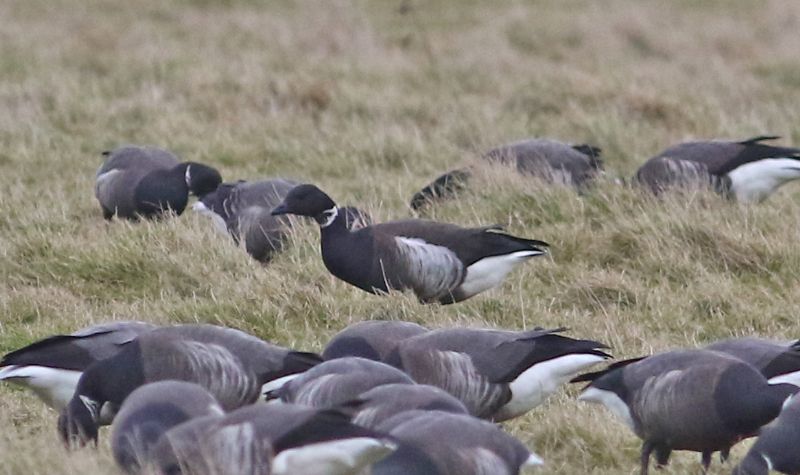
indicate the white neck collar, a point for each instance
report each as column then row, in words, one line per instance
column 330, row 215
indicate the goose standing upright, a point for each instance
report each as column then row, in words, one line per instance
column 145, row 182
column 439, row 262
column 52, row 367
column 232, row 365
column 698, row 400
column 748, row 171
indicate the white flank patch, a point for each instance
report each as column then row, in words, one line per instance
column 611, row 401
column 187, row 177
column 755, row 181
column 533, row 461
column 219, row 223
column 337, row 457
column 54, row 386
column 489, row 272
column 790, row 378
column 435, row 270
column 277, row 383
column 541, row 380
column 102, row 178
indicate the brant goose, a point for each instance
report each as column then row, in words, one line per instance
column 335, row 381
column 776, row 446
column 442, row 443
column 52, row 367
column 284, row 439
column 372, row 339
column 748, row 171
column 232, row 365
column 439, row 262
column 548, row 160
column 243, row 209
column 146, row 181
column 378, row 404
column 698, row 400
column 149, row 412
column 778, row 362
column 497, row 374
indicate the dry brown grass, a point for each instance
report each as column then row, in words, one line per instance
column 370, row 100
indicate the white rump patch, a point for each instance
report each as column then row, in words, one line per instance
column 431, row 271
column 219, row 223
column 277, row 383
column 790, row 378
column 611, row 401
column 489, row 272
column 53, row 386
column 337, row 457
column 541, row 380
column 755, row 181
column 533, row 461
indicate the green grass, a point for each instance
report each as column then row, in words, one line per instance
column 371, row 101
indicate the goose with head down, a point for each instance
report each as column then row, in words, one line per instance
column 439, row 262
column 371, row 339
column 698, row 400
column 497, row 374
column 748, row 171
column 230, row 364
column 136, row 182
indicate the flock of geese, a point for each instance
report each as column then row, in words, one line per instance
column 393, row 397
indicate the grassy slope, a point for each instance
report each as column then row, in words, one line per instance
column 370, row 101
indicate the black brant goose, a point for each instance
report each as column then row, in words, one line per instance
column 284, row 439
column 698, row 400
column 378, row 404
column 149, row 412
column 440, row 262
column 146, row 181
column 232, row 365
column 244, row 208
column 776, row 446
column 371, row 339
column 52, row 367
column 748, row 171
column 549, row 160
column 779, row 362
column 335, row 381
column 497, row 374
column 442, row 443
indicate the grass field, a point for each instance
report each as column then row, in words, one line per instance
column 371, row 100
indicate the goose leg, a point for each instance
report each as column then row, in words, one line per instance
column 647, row 449
column 662, row 456
column 724, row 454
column 706, row 460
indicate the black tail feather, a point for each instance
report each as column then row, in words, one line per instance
column 612, row 367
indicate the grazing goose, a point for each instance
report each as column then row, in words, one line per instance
column 776, row 446
column 378, row 404
column 372, row 339
column 548, row 160
column 232, row 365
column 244, row 208
column 146, row 181
column 439, row 262
column 52, row 367
column 778, row 362
column 748, row 171
column 335, row 381
column 697, row 400
column 149, row 412
column 442, row 443
column 284, row 439
column 497, row 374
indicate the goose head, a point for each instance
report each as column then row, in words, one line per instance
column 308, row 200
